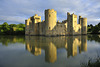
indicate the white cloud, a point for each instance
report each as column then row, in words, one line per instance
column 26, row 8
column 13, row 18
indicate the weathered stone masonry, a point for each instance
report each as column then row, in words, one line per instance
column 52, row 27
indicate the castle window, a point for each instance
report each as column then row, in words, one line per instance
column 38, row 24
column 49, row 28
column 79, row 30
column 49, row 15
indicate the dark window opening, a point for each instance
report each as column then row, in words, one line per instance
column 49, row 15
column 49, row 28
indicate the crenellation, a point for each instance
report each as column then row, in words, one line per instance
column 51, row 27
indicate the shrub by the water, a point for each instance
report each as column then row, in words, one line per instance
column 94, row 29
column 12, row 29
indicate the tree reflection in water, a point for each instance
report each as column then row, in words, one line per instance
column 8, row 39
column 94, row 38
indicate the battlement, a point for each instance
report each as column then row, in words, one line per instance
column 51, row 27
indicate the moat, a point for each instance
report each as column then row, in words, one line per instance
column 40, row 51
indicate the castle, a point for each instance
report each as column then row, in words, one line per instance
column 52, row 27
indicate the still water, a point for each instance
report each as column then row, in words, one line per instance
column 39, row 51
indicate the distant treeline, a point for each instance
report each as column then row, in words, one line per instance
column 94, row 29
column 12, row 29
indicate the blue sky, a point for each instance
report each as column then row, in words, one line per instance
column 16, row 11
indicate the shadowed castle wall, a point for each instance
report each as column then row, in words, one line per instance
column 69, row 24
column 73, row 27
column 59, row 29
column 42, row 28
column 84, row 25
column 27, row 26
column 30, row 26
column 35, row 25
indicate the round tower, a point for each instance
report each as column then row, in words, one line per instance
column 50, row 20
column 84, row 26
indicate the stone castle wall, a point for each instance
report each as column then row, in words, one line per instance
column 50, row 27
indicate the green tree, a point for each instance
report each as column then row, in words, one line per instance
column 20, row 28
column 12, row 28
column 5, row 27
column 88, row 25
column 95, row 29
column 91, row 25
column 21, row 25
column 99, row 26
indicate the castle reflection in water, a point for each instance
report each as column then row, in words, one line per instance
column 72, row 44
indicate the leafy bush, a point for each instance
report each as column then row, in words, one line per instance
column 12, row 29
